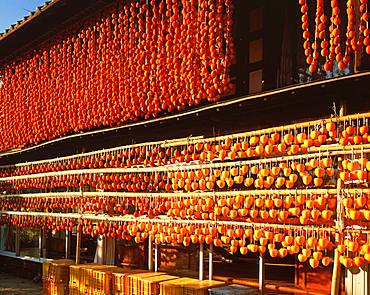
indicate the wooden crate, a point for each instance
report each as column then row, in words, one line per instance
column 75, row 277
column 150, row 285
column 120, row 280
column 200, row 287
column 58, row 271
column 174, row 287
column 45, row 287
column 86, row 277
column 133, row 284
column 51, row 288
column 45, row 269
column 58, row 289
column 102, row 280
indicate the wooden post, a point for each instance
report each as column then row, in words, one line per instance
column 156, row 250
column 17, row 242
column 335, row 282
column 44, row 243
column 261, row 274
column 339, row 224
column 150, row 255
column 79, row 234
column 296, row 280
column 78, row 245
column 201, row 261
column 40, row 243
column 342, row 112
column 210, row 262
column 68, row 244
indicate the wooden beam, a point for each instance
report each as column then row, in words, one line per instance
column 338, row 151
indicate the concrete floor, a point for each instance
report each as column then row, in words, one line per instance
column 10, row 285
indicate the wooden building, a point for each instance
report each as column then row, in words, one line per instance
column 271, row 85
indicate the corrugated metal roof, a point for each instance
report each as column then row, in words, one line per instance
column 39, row 10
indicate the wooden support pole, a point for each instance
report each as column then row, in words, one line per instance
column 78, row 245
column 261, row 275
column 335, row 282
column 17, row 242
column 156, row 254
column 44, row 243
column 210, row 262
column 201, row 258
column 150, row 255
column 339, row 223
column 68, row 244
column 40, row 243
column 79, row 235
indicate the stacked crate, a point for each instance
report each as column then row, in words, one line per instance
column 101, row 283
column 86, row 278
column 150, row 285
column 133, row 281
column 74, row 278
column 45, row 276
column 56, row 276
column 233, row 290
column 120, row 280
column 175, row 287
column 45, row 269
